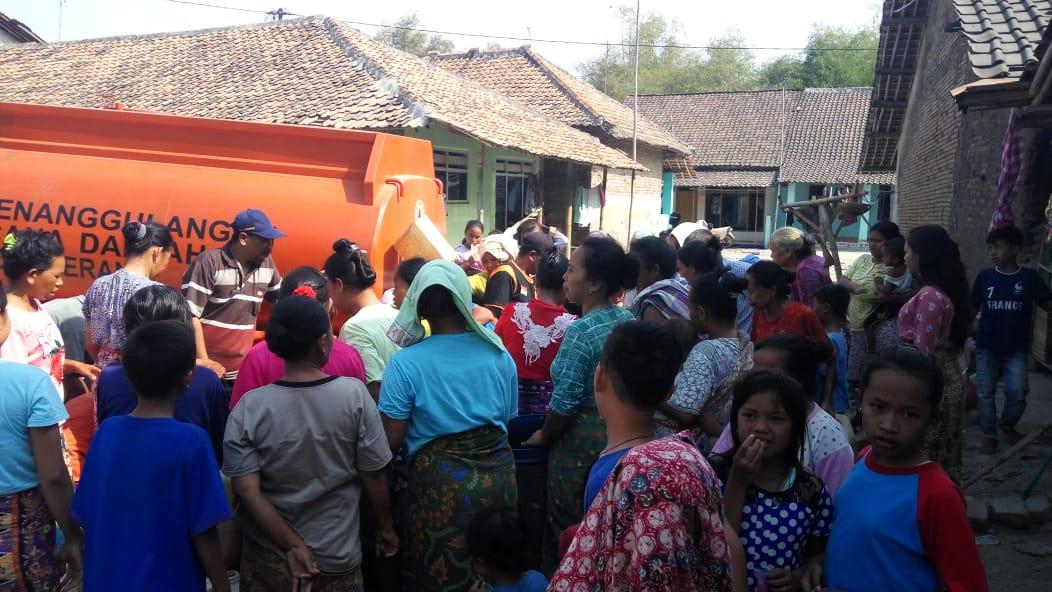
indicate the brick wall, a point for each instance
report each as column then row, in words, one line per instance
column 948, row 160
column 647, row 209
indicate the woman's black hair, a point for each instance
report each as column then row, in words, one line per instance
column 836, row 296
column 718, row 294
column 767, row 274
column 3, row 299
column 551, row 269
column 653, row 252
column 155, row 303
column 887, row 229
column 436, row 305
column 642, row 359
column 498, row 536
column 908, row 360
column 705, row 256
column 791, row 396
column 140, row 237
column 296, row 324
column 803, row 356
column 606, row 262
column 31, row 250
column 350, row 264
column 940, row 265
column 305, row 276
column 408, row 269
column 474, row 224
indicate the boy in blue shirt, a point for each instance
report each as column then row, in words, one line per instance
column 830, row 304
column 150, row 495
column 1005, row 295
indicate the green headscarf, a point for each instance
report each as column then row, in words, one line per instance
column 407, row 328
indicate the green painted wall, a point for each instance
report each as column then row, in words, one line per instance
column 482, row 176
column 668, row 187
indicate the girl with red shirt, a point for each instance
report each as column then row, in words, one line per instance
column 532, row 331
column 774, row 313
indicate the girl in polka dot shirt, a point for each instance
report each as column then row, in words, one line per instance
column 782, row 513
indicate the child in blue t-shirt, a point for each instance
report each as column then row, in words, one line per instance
column 150, row 495
column 830, row 304
column 1004, row 295
column 496, row 539
column 901, row 524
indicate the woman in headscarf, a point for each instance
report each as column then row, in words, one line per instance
column 660, row 296
column 794, row 251
column 599, row 270
column 449, row 398
column 507, row 282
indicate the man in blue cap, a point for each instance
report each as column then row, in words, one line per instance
column 226, row 288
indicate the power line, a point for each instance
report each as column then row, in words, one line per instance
column 532, row 40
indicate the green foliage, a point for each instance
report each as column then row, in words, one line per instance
column 666, row 69
column 399, row 35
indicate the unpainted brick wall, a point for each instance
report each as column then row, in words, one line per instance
column 647, row 208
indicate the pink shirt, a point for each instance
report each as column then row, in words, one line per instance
column 262, row 367
column 35, row 340
column 926, row 319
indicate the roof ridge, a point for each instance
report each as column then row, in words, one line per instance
column 479, row 53
column 547, row 69
column 718, row 92
column 163, row 34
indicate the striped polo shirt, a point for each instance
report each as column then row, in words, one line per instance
column 227, row 301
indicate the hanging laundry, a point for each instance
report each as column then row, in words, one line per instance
column 587, row 206
column 1008, row 178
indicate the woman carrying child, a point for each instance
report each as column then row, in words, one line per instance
column 937, row 321
column 301, row 452
column 782, row 512
column 860, row 279
column 702, row 396
column 901, row 523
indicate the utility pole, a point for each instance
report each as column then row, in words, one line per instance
column 635, row 125
column 60, row 3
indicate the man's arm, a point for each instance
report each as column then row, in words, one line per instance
column 208, row 550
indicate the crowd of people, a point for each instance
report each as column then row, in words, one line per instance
column 695, row 413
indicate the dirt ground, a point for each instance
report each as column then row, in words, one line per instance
column 1008, row 569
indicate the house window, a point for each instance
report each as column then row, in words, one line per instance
column 451, row 167
column 516, row 194
column 742, row 209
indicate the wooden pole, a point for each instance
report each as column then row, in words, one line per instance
column 1007, row 454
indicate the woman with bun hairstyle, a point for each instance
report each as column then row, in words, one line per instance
column 301, row 453
column 599, row 271
column 34, row 264
column 351, row 280
column 936, row 321
column 262, row 366
column 148, row 248
column 794, row 251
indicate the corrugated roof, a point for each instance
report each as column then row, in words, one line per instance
column 529, row 78
column 738, row 136
column 724, row 128
column 1003, row 35
column 310, row 71
column 18, row 30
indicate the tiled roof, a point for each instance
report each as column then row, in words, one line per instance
column 18, row 30
column 901, row 29
column 529, row 78
column 725, row 128
column 824, row 141
column 311, row 71
column 738, row 136
column 1003, row 35
column 737, row 178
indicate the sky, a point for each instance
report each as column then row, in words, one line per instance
column 763, row 23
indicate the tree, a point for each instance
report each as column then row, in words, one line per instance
column 844, row 67
column 403, row 35
column 830, row 60
column 664, row 65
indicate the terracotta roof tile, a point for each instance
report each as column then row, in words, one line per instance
column 311, row 71
column 529, row 78
column 1003, row 35
column 738, row 136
